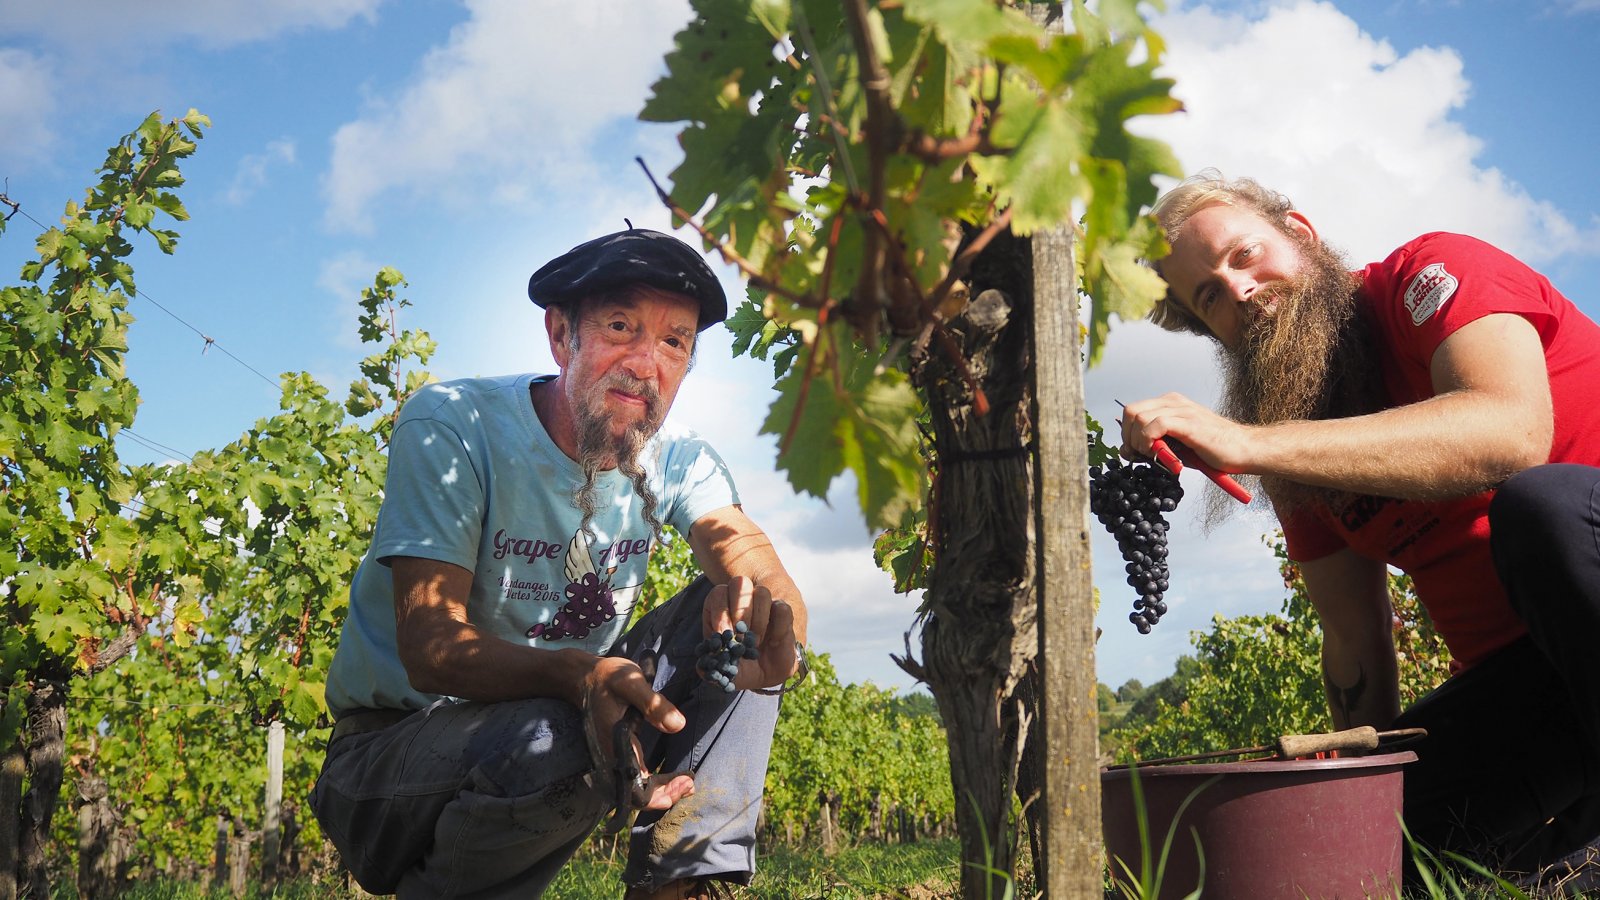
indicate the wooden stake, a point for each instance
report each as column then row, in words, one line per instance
column 269, row 828
column 1067, row 712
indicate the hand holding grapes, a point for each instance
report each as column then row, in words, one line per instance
column 768, row 628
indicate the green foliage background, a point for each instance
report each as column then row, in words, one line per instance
column 1253, row 678
column 229, row 572
column 860, row 742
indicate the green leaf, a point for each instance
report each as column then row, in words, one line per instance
column 747, row 324
column 168, row 202
column 138, row 215
column 725, row 55
column 1037, row 180
column 865, row 422
column 974, row 22
column 73, row 256
column 1120, row 283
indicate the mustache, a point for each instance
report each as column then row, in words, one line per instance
column 638, row 387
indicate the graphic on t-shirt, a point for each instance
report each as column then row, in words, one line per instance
column 591, row 600
column 1428, row 291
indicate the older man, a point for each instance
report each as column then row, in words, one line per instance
column 483, row 666
column 1436, row 412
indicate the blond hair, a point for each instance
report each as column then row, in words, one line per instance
column 1206, row 188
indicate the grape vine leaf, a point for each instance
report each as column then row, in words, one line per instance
column 863, row 421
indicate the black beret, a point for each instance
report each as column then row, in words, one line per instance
column 635, row 256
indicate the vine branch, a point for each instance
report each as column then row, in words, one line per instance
column 728, row 254
column 963, row 260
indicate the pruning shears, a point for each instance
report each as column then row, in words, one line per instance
column 630, row 776
column 1169, row 460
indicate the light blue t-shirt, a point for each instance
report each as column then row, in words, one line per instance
column 475, row 480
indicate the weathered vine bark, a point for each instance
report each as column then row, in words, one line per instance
column 13, row 766
column 979, row 633
column 219, row 855
column 239, row 857
column 44, row 735
column 97, row 839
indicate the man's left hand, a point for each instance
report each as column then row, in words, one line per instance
column 771, row 623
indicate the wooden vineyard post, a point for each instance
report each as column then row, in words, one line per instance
column 269, row 828
column 1070, row 790
column 826, row 823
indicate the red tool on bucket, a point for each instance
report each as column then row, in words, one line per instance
column 1170, row 461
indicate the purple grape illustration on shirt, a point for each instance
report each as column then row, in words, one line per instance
column 590, row 601
column 589, row 605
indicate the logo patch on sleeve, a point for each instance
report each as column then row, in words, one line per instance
column 1428, row 292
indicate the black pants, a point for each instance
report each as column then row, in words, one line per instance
column 1510, row 771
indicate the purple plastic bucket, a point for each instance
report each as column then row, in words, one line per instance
column 1315, row 828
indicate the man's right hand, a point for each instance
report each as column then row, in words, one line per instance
column 610, row 686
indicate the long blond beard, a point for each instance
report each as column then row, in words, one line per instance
column 1311, row 358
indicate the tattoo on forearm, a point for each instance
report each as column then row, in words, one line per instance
column 1346, row 699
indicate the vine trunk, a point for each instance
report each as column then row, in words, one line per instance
column 980, row 631
column 44, row 736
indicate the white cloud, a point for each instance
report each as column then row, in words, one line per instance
column 517, row 94
column 1359, row 136
column 251, row 174
column 27, row 98
column 210, row 23
column 344, row 276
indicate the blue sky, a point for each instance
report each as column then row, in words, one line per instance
column 465, row 143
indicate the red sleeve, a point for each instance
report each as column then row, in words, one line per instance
column 1441, row 282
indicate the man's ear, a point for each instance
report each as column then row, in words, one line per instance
column 558, row 327
column 1299, row 224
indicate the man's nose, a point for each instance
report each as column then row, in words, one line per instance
column 1241, row 286
column 641, row 360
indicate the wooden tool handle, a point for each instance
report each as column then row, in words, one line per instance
column 1362, row 738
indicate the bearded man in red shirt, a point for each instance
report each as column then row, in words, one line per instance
column 1438, row 412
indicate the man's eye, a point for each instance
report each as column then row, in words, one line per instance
column 618, row 326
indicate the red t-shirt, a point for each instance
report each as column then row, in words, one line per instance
column 1416, row 298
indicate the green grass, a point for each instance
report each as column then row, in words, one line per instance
column 923, row 871
column 303, row 889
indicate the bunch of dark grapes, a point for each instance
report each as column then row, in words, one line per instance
column 1130, row 501
column 719, row 655
column 589, row 605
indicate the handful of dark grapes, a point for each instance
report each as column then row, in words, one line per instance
column 1131, row 502
column 719, row 655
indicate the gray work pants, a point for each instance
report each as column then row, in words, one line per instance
column 478, row 800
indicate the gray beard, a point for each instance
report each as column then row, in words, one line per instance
column 597, row 449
